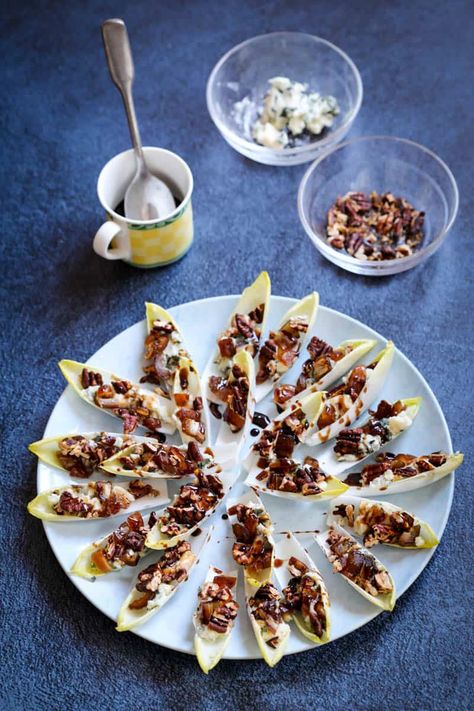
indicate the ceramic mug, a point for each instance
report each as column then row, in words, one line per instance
column 146, row 243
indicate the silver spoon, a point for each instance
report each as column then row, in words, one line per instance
column 147, row 197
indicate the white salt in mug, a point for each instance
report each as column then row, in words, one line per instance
column 146, row 243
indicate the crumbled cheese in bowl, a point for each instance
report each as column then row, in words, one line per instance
column 290, row 111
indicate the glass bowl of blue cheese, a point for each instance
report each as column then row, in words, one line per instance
column 284, row 97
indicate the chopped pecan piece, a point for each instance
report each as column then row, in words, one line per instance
column 374, row 227
column 90, row 379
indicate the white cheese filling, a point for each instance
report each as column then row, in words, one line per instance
column 163, row 593
column 399, row 423
column 289, row 110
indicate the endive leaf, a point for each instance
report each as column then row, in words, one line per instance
column 256, row 578
column 90, row 564
column 158, row 406
column 404, row 484
column 129, row 618
column 358, row 349
column 42, row 506
column 370, row 391
column 114, row 465
column 47, row 449
column 289, row 547
column 307, row 410
column 254, row 296
column 305, row 310
column 385, row 601
column 209, row 650
column 229, row 444
column 271, row 655
column 158, row 540
column 333, row 487
column 180, row 361
column 331, row 462
column 185, row 394
column 363, row 507
column 154, row 312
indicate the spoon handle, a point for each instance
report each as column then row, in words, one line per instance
column 120, row 61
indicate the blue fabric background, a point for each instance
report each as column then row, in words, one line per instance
column 61, row 121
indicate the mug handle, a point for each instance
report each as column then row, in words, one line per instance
column 104, row 236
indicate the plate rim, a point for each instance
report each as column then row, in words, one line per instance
column 49, row 527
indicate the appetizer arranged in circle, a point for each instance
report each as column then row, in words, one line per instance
column 214, row 617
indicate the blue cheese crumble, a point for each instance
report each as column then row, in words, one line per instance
column 289, row 111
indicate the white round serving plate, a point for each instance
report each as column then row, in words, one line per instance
column 200, row 322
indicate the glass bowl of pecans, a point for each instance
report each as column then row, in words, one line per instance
column 378, row 205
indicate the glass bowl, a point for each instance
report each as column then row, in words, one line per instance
column 381, row 164
column 242, row 75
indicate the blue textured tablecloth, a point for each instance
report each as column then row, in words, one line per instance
column 61, row 121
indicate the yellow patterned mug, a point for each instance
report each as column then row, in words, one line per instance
column 147, row 243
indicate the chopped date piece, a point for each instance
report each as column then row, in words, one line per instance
column 282, row 438
column 194, row 453
column 81, row 456
column 139, row 489
column 152, row 423
column 350, row 560
column 375, row 227
column 214, row 408
column 257, row 314
column 287, row 475
column 105, row 392
column 121, row 386
column 227, row 347
column 281, row 349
